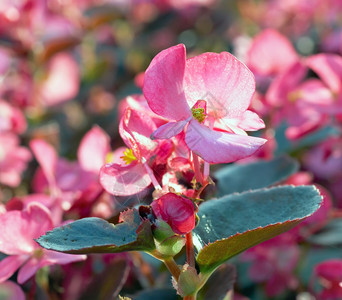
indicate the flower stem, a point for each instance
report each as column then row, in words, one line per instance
column 172, row 267
column 191, row 297
column 190, row 252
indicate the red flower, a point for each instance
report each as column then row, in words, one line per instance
column 175, row 210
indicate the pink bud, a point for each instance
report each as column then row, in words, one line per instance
column 175, row 210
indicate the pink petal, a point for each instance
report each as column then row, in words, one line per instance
column 49, row 258
column 163, row 84
column 329, row 68
column 10, row 264
column 28, row 269
column 62, row 83
column 19, row 228
column 53, row 257
column 124, row 180
column 248, row 121
column 11, row 291
column 220, row 147
column 136, row 129
column 169, row 130
column 286, row 82
column 223, row 81
column 47, row 157
column 270, row 53
column 93, row 149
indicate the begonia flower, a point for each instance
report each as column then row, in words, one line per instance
column 207, row 96
column 18, row 231
column 177, row 211
column 131, row 173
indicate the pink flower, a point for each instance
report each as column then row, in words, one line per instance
column 274, row 262
column 11, row 118
column 330, row 274
column 207, row 96
column 13, row 159
column 177, row 211
column 129, row 174
column 62, row 72
column 19, row 229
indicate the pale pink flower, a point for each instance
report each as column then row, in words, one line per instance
column 19, row 229
column 207, row 96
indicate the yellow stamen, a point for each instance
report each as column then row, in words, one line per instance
column 198, row 114
column 128, row 156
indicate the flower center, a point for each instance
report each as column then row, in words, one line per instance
column 128, row 156
column 199, row 110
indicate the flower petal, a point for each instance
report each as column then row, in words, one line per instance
column 163, row 84
column 222, row 80
column 220, row 147
column 10, row 264
column 47, row 157
column 93, row 149
column 329, row 69
column 169, row 130
column 270, row 53
column 135, row 129
column 248, row 121
column 124, row 180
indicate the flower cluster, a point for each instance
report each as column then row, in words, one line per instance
column 138, row 113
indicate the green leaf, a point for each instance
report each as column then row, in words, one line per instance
column 330, row 235
column 239, row 178
column 236, row 222
column 95, row 235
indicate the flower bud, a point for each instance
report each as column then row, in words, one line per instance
column 177, row 211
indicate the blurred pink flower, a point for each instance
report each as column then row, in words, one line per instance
column 177, row 211
column 329, row 274
column 208, row 96
column 12, row 119
column 13, row 159
column 19, row 229
column 273, row 262
column 62, row 82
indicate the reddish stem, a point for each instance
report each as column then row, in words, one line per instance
column 190, row 251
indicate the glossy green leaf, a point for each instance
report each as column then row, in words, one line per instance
column 239, row 178
column 236, row 222
column 95, row 235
